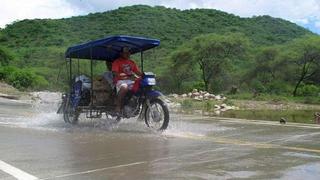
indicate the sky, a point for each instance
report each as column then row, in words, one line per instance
column 302, row 12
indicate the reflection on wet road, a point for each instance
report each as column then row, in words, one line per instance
column 37, row 141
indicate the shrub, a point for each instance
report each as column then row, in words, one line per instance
column 5, row 56
column 40, row 82
column 279, row 99
column 258, row 86
column 309, row 90
column 311, row 100
column 244, row 96
column 187, row 104
column 278, row 87
column 21, row 79
column 6, row 71
column 209, row 105
column 198, row 85
column 229, row 102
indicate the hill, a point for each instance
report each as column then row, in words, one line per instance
column 170, row 25
column 40, row 44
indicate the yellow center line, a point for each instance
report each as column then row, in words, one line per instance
column 248, row 143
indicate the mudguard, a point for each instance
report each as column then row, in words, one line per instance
column 61, row 108
column 153, row 94
column 63, row 104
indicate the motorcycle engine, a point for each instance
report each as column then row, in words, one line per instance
column 131, row 107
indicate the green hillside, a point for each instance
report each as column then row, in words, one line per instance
column 172, row 26
column 39, row 45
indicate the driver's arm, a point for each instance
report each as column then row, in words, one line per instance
column 137, row 71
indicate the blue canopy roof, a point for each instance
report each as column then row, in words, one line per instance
column 109, row 48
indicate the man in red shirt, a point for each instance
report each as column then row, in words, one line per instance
column 125, row 71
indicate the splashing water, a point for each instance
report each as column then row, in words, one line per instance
column 44, row 117
column 44, row 107
column 179, row 126
column 41, row 114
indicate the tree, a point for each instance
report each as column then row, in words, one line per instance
column 268, row 70
column 266, row 62
column 213, row 53
column 182, row 68
column 305, row 54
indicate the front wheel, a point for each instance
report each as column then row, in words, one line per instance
column 69, row 114
column 157, row 115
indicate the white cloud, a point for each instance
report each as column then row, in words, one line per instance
column 303, row 21
column 104, row 5
column 12, row 10
column 292, row 10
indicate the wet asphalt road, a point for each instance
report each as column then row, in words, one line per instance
column 41, row 145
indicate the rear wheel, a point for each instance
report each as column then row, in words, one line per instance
column 157, row 115
column 69, row 114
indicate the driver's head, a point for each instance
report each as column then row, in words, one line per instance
column 125, row 52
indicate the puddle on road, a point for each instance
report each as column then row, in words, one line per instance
column 42, row 115
column 307, row 171
column 181, row 128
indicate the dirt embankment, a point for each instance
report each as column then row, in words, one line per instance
column 197, row 99
column 9, row 92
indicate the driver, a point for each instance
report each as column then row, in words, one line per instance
column 125, row 71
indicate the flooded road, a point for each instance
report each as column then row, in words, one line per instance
column 37, row 144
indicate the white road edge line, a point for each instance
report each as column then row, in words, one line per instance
column 96, row 170
column 15, row 172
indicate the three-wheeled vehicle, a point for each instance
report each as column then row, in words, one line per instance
column 93, row 97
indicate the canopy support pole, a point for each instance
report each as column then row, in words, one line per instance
column 141, row 54
column 78, row 66
column 70, row 73
column 91, row 67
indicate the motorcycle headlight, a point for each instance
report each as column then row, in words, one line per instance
column 151, row 81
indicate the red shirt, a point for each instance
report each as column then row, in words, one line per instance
column 126, row 66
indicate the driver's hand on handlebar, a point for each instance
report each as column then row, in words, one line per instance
column 133, row 77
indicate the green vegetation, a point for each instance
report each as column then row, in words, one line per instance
column 201, row 48
column 22, row 78
column 265, row 107
column 191, row 104
column 5, row 56
column 290, row 69
column 277, row 99
column 295, row 116
column 213, row 55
